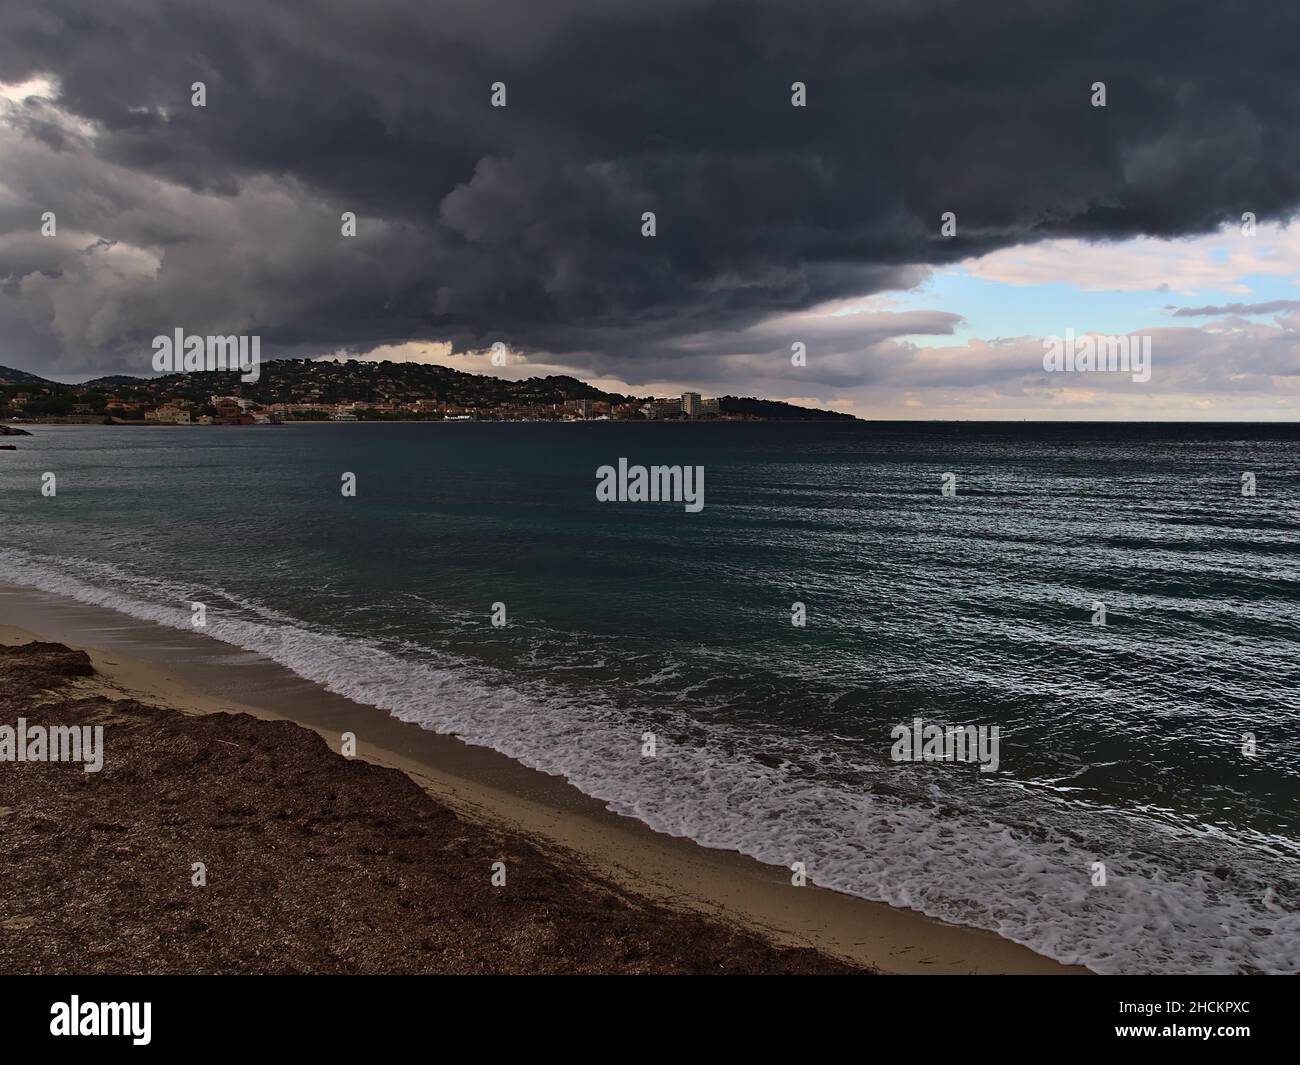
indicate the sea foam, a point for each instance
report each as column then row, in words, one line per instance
column 955, row 864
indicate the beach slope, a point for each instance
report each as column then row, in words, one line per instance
column 172, row 677
column 313, row 863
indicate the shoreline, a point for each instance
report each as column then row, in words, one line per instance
column 197, row 675
column 149, row 861
column 378, row 421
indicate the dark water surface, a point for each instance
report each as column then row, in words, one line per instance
column 1120, row 744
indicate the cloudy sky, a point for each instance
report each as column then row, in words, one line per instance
column 775, row 224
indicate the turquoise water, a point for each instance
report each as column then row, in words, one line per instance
column 1120, row 744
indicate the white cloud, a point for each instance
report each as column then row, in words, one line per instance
column 15, row 92
column 1220, row 261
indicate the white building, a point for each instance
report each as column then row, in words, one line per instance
column 168, row 414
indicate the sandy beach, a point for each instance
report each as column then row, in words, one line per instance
column 398, row 842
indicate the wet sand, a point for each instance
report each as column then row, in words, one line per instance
column 184, row 671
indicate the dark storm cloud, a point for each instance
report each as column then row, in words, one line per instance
column 523, row 224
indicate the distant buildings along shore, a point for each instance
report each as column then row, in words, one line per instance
column 292, row 390
column 236, row 410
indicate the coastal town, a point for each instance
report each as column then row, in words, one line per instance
column 350, row 390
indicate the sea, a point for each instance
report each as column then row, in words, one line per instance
column 1144, row 815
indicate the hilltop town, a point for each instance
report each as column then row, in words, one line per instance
column 353, row 390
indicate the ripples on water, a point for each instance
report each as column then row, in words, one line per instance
column 1119, row 744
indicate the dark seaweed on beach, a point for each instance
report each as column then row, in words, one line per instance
column 314, row 863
